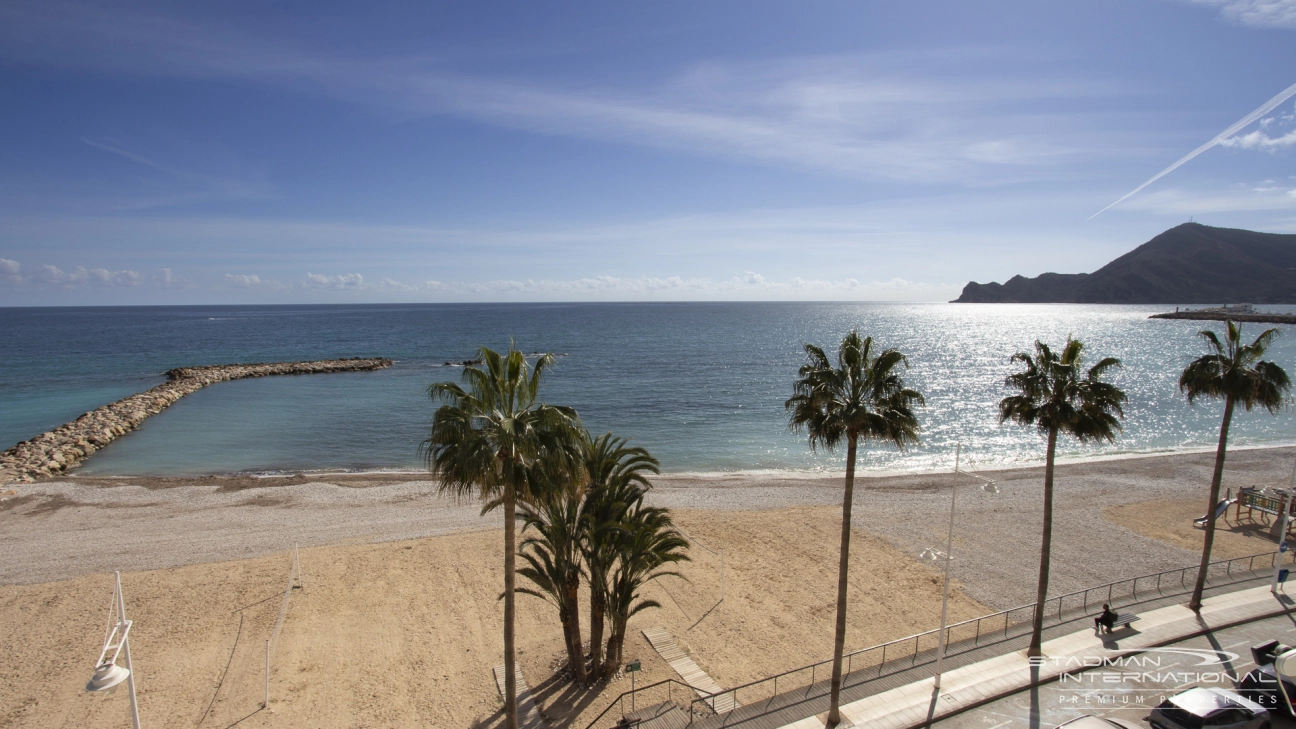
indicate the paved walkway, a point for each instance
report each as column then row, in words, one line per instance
column 528, row 713
column 695, row 677
column 916, row 704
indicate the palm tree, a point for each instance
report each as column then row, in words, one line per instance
column 1056, row 398
column 492, row 439
column 862, row 398
column 1232, row 371
column 553, row 557
column 618, row 478
column 646, row 542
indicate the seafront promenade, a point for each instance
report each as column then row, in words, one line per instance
column 64, row 447
column 920, row 704
column 902, row 694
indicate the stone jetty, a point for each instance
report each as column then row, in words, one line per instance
column 66, row 446
column 1216, row 315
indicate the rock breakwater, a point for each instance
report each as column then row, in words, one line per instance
column 1227, row 316
column 66, row 446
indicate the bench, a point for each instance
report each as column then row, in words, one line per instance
column 1123, row 620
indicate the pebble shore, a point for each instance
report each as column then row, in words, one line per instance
column 63, row 448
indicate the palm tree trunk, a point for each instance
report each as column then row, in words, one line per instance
column 843, row 568
column 510, row 659
column 1195, row 603
column 596, row 627
column 1046, row 551
column 614, row 643
column 571, row 627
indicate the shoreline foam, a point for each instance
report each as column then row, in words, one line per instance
column 789, row 474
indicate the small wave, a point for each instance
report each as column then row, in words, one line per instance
column 291, row 472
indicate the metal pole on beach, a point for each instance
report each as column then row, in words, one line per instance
column 949, row 557
column 130, row 679
column 108, row 675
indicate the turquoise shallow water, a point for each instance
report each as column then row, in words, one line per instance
column 701, row 385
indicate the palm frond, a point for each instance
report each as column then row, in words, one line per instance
column 1233, row 371
column 1051, row 393
column 862, row 397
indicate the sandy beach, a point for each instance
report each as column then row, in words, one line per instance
column 398, row 622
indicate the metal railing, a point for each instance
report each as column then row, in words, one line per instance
column 968, row 634
column 778, row 690
column 643, row 697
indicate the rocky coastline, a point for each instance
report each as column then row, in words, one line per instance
column 63, row 448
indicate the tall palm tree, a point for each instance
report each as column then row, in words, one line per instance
column 553, row 560
column 1232, row 371
column 618, row 478
column 493, row 438
column 864, row 398
column 647, row 542
column 1058, row 397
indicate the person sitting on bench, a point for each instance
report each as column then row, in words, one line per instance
column 1106, row 620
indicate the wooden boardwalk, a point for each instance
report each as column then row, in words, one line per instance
column 528, row 713
column 695, row 677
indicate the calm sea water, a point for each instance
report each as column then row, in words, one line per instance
column 700, row 385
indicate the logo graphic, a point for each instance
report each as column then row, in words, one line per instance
column 1208, row 657
column 1139, row 657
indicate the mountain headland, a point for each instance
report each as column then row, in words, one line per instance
column 1187, row 264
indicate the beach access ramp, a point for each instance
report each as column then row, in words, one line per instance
column 528, row 713
column 695, row 677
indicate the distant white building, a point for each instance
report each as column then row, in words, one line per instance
column 1233, row 309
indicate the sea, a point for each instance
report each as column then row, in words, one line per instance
column 702, row 386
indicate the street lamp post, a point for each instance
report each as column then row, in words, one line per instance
column 931, row 555
column 108, row 675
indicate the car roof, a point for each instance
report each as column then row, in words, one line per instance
column 1202, row 701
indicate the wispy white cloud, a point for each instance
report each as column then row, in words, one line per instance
column 243, row 280
column 1234, row 199
column 861, row 115
column 1256, row 13
column 200, row 186
column 167, row 279
column 389, row 284
column 12, row 273
column 1236, row 127
column 1260, row 140
column 747, row 285
column 82, row 276
column 129, row 155
column 343, row 281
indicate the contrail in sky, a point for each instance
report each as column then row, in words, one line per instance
column 1265, row 109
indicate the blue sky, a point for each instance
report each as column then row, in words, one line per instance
column 252, row 152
